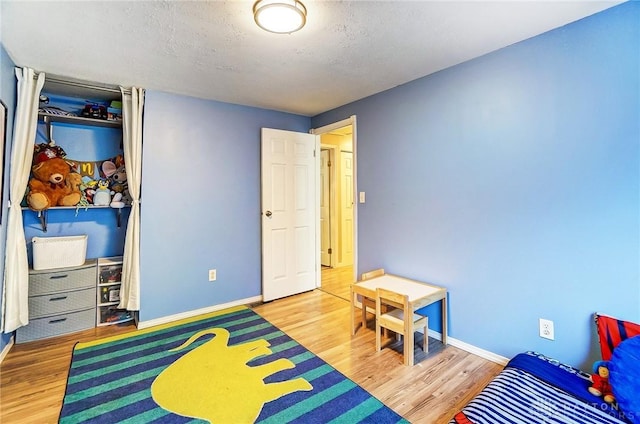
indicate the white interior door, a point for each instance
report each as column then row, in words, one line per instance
column 289, row 213
column 325, row 207
column 347, row 208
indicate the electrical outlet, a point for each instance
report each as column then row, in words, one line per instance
column 213, row 274
column 546, row 329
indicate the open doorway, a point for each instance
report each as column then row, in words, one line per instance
column 337, row 209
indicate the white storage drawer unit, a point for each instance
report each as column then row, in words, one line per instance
column 109, row 283
column 50, row 304
column 70, row 322
column 61, row 301
column 62, row 279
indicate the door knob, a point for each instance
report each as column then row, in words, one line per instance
column 268, row 213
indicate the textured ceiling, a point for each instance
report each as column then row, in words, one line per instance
column 348, row 50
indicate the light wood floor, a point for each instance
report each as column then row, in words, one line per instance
column 33, row 375
column 430, row 392
column 336, row 281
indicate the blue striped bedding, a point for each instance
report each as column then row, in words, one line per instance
column 536, row 389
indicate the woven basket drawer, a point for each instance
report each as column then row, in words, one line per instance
column 51, row 304
column 56, row 325
column 61, row 280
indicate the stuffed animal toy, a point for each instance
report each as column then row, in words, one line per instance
column 108, row 168
column 74, row 181
column 120, row 176
column 48, row 186
column 600, row 379
column 119, row 187
column 102, row 195
column 112, row 166
column 88, row 188
column 119, row 184
column 117, row 202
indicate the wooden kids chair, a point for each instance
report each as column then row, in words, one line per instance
column 401, row 321
column 366, row 302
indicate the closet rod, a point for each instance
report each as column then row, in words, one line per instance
column 83, row 85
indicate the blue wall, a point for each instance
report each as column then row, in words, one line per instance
column 513, row 180
column 8, row 94
column 201, row 201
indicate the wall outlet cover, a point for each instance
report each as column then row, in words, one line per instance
column 546, row 329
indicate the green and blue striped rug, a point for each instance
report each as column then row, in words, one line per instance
column 227, row 367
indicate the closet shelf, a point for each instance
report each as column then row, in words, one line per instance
column 42, row 215
column 78, row 120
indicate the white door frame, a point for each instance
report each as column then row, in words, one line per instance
column 346, row 206
column 325, row 129
column 332, row 194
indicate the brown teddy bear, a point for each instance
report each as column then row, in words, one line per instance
column 49, row 186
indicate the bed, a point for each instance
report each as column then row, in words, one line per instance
column 535, row 389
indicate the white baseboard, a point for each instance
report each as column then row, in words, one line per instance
column 485, row 354
column 190, row 314
column 6, row 349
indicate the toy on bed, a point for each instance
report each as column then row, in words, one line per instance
column 601, row 385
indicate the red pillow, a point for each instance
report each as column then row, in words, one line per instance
column 612, row 331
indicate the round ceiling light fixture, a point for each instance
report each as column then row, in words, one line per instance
column 280, row 16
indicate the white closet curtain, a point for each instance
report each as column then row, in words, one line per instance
column 15, row 305
column 132, row 106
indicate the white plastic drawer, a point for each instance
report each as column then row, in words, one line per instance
column 110, row 314
column 51, row 304
column 56, row 325
column 110, row 274
column 61, row 280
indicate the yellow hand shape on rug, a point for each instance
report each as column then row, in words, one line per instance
column 213, row 381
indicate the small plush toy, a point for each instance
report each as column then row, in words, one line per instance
column 88, row 189
column 74, row 181
column 119, row 185
column 102, row 195
column 600, row 379
column 49, row 186
column 116, row 201
column 120, row 176
column 108, row 168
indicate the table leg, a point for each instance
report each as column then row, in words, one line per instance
column 444, row 320
column 353, row 312
column 408, row 337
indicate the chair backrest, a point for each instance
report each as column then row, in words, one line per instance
column 388, row 297
column 372, row 274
